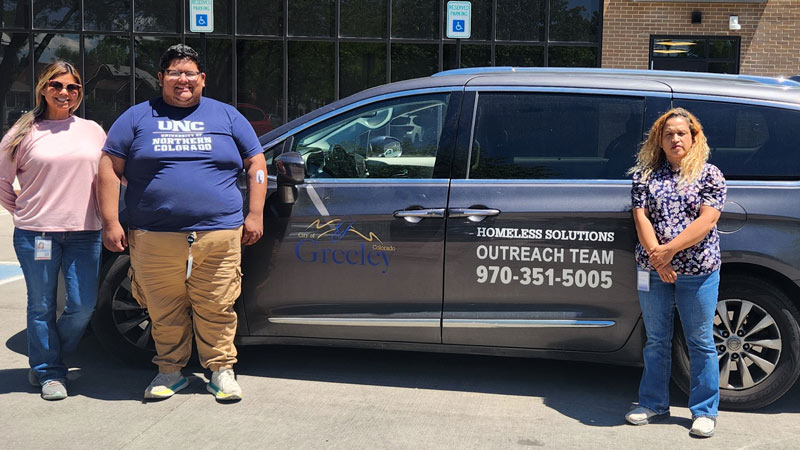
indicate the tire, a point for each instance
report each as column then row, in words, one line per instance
column 751, row 376
column 122, row 326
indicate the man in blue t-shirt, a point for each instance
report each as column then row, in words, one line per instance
column 181, row 155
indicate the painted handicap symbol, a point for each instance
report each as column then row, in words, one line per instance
column 202, row 20
column 458, row 25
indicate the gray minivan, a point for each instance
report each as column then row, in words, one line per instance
column 488, row 211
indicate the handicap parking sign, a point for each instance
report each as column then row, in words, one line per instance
column 459, row 17
column 201, row 13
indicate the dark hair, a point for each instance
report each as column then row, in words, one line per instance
column 179, row 51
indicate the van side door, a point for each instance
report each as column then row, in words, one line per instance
column 359, row 255
column 540, row 235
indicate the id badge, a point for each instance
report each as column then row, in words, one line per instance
column 44, row 248
column 643, row 280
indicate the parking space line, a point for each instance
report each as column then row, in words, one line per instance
column 10, row 271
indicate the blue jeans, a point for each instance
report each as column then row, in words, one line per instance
column 696, row 299
column 77, row 255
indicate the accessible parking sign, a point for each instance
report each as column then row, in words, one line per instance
column 201, row 16
column 459, row 20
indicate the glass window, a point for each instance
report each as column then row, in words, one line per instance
column 15, row 85
column 519, row 56
column 50, row 47
column 750, row 142
column 60, row 14
column 311, row 76
column 449, row 56
column 722, row 48
column 107, row 78
column 471, row 56
column 414, row 60
column 263, row 17
column 415, row 19
column 218, row 66
column 396, row 138
column 107, row 15
column 156, row 15
column 361, row 66
column 312, row 18
column 679, row 48
column 222, row 18
column 148, row 51
column 722, row 67
column 363, row 18
column 575, row 20
column 260, row 81
column 520, row 20
column 15, row 13
column 572, row 57
column 552, row 136
column 481, row 20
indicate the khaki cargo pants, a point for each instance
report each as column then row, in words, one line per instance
column 159, row 283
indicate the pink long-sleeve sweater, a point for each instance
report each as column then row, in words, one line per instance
column 56, row 165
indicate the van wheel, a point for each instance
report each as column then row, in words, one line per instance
column 758, row 344
column 120, row 323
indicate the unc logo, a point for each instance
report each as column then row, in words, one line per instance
column 180, row 125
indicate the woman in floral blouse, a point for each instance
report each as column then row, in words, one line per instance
column 677, row 199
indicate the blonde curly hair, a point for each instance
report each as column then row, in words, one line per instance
column 651, row 155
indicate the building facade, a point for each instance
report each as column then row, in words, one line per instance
column 703, row 36
column 278, row 59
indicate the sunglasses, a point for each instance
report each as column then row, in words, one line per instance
column 58, row 86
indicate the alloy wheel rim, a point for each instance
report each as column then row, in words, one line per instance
column 132, row 321
column 748, row 343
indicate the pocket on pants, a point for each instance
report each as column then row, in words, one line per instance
column 136, row 290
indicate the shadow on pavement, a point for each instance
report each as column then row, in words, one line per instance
column 594, row 394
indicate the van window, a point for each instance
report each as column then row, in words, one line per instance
column 555, row 136
column 396, row 138
column 750, row 142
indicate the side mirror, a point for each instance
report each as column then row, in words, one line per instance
column 291, row 171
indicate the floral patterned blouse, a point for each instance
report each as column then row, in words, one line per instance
column 671, row 209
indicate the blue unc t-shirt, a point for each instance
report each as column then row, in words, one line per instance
column 182, row 164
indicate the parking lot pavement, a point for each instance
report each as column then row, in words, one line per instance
column 309, row 398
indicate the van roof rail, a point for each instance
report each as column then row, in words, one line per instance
column 777, row 81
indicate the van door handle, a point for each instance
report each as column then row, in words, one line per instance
column 416, row 215
column 473, row 214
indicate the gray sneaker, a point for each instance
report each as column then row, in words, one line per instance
column 224, row 386
column 33, row 379
column 642, row 416
column 165, row 385
column 703, row 426
column 54, row 390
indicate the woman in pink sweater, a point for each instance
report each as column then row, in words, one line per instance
column 54, row 156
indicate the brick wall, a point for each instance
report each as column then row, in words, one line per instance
column 770, row 34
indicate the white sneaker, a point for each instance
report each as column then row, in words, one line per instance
column 165, row 385
column 642, row 416
column 224, row 386
column 703, row 426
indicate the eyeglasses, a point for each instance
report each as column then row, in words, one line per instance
column 191, row 75
column 72, row 88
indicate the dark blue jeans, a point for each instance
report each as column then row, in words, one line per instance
column 695, row 296
column 77, row 255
